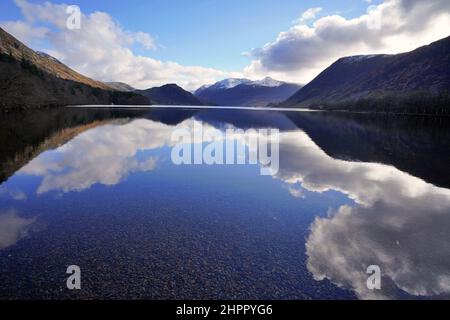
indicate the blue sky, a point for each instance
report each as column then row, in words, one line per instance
column 199, row 42
column 211, row 33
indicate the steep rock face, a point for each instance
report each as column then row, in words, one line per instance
column 30, row 79
column 410, row 80
column 171, row 94
column 247, row 93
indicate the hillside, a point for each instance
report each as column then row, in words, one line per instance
column 120, row 86
column 170, row 94
column 30, row 79
column 417, row 81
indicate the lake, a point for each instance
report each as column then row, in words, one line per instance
column 98, row 188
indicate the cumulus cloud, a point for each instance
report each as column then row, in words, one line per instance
column 22, row 30
column 102, row 49
column 393, row 26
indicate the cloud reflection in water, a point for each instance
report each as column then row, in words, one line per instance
column 398, row 222
column 13, row 228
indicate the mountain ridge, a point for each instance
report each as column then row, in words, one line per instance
column 245, row 92
column 170, row 94
column 402, row 82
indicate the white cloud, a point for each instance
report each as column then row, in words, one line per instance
column 393, row 26
column 296, row 192
column 145, row 40
column 22, row 30
column 102, row 49
column 308, row 15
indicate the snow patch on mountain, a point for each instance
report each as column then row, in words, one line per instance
column 268, row 82
column 233, row 82
column 230, row 83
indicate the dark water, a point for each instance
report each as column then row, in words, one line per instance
column 98, row 189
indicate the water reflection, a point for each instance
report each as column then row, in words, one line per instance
column 395, row 219
column 105, row 155
column 12, row 194
column 13, row 228
column 399, row 222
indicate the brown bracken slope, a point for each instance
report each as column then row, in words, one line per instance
column 30, row 79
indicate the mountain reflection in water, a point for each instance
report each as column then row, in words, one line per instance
column 363, row 190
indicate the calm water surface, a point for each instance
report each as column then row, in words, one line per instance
column 97, row 188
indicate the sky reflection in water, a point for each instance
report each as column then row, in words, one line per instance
column 356, row 214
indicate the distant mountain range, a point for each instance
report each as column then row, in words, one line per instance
column 170, row 94
column 244, row 92
column 417, row 82
column 30, row 79
column 413, row 82
column 34, row 79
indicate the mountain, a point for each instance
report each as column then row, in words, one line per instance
column 223, row 85
column 120, row 86
column 170, row 94
column 417, row 82
column 30, row 79
column 244, row 92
